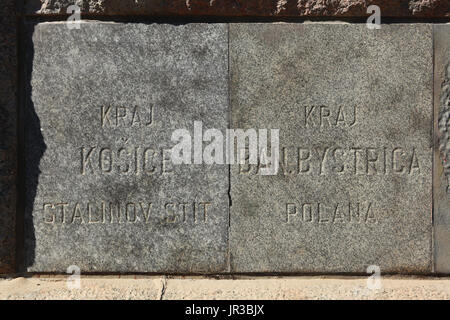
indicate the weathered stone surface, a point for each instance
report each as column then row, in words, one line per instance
column 102, row 192
column 442, row 148
column 264, row 8
column 354, row 187
column 8, row 137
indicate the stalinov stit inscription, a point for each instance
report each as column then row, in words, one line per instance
column 354, row 185
column 130, row 212
column 102, row 192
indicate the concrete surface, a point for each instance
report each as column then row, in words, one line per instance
column 271, row 288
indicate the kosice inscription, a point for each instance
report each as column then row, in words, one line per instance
column 101, row 185
column 125, row 160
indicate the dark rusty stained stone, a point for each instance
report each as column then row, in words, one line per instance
column 249, row 8
column 8, row 65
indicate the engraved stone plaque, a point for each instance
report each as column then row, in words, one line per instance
column 102, row 192
column 442, row 148
column 354, row 110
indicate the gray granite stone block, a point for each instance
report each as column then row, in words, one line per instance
column 442, row 148
column 354, row 110
column 8, row 135
column 102, row 192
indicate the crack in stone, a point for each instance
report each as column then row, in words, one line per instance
column 163, row 288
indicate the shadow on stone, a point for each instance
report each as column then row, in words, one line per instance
column 8, row 136
column 33, row 149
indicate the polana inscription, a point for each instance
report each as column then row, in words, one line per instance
column 102, row 193
column 353, row 108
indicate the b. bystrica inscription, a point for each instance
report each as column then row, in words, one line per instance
column 104, row 212
column 335, row 160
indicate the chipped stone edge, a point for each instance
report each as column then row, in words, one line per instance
column 444, row 127
column 441, row 145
